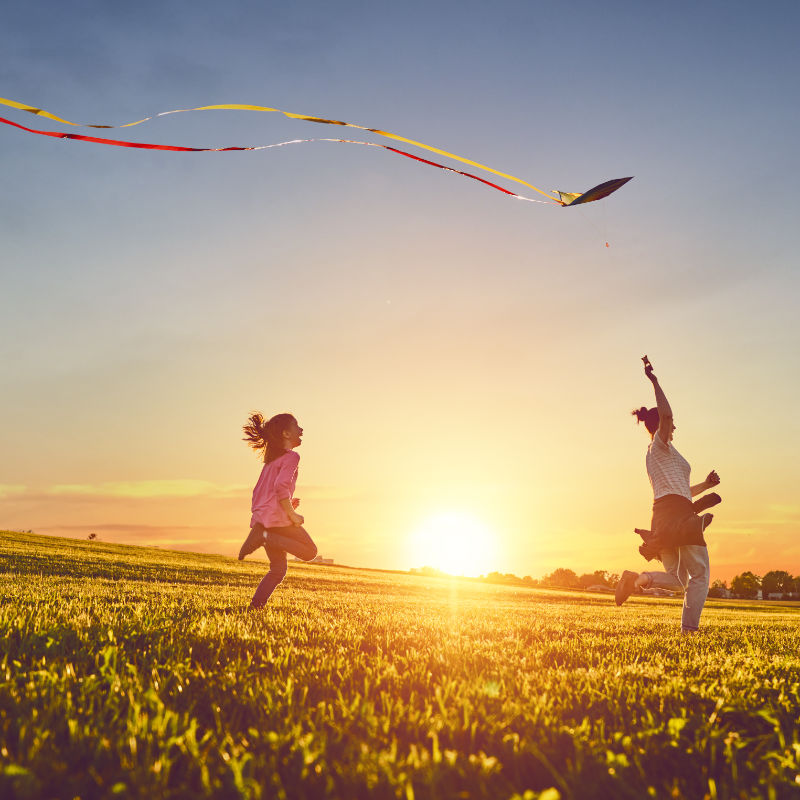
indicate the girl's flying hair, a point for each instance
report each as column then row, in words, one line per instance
column 649, row 417
column 267, row 436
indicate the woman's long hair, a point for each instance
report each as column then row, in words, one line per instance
column 267, row 436
column 649, row 417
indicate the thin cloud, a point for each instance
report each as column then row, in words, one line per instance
column 177, row 488
column 329, row 493
column 148, row 489
column 785, row 512
column 202, row 538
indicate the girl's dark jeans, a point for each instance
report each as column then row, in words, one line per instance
column 280, row 541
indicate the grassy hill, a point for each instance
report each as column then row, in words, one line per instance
column 137, row 672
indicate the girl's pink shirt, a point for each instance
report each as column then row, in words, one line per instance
column 276, row 483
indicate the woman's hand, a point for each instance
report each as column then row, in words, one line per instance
column 295, row 518
column 648, row 369
column 712, row 479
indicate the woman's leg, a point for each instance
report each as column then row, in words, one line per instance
column 277, row 572
column 294, row 540
column 694, row 558
column 669, row 578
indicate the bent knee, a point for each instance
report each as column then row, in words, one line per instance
column 676, row 576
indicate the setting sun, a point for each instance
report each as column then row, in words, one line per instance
column 455, row 542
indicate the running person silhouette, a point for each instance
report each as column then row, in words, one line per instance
column 677, row 531
column 275, row 524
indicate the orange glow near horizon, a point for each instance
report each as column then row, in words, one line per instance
column 454, row 542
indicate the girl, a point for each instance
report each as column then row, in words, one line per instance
column 677, row 529
column 275, row 524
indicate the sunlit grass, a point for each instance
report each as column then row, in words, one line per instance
column 138, row 672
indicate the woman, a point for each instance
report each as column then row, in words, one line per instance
column 677, row 529
column 274, row 523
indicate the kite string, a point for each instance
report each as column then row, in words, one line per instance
column 601, row 226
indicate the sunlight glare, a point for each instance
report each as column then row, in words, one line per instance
column 454, row 542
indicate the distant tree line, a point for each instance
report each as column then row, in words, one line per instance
column 774, row 585
column 566, row 578
column 777, row 584
column 560, row 578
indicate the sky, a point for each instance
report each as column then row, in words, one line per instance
column 464, row 364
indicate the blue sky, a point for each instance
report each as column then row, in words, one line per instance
column 151, row 299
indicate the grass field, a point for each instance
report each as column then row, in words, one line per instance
column 134, row 672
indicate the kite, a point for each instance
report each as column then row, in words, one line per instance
column 564, row 199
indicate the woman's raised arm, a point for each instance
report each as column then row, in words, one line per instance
column 665, row 424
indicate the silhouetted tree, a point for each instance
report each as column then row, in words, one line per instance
column 597, row 578
column 746, row 585
column 91, row 537
column 428, row 572
column 718, row 589
column 777, row 581
column 562, row 577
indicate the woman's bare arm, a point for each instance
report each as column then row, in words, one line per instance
column 664, row 409
column 711, row 480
